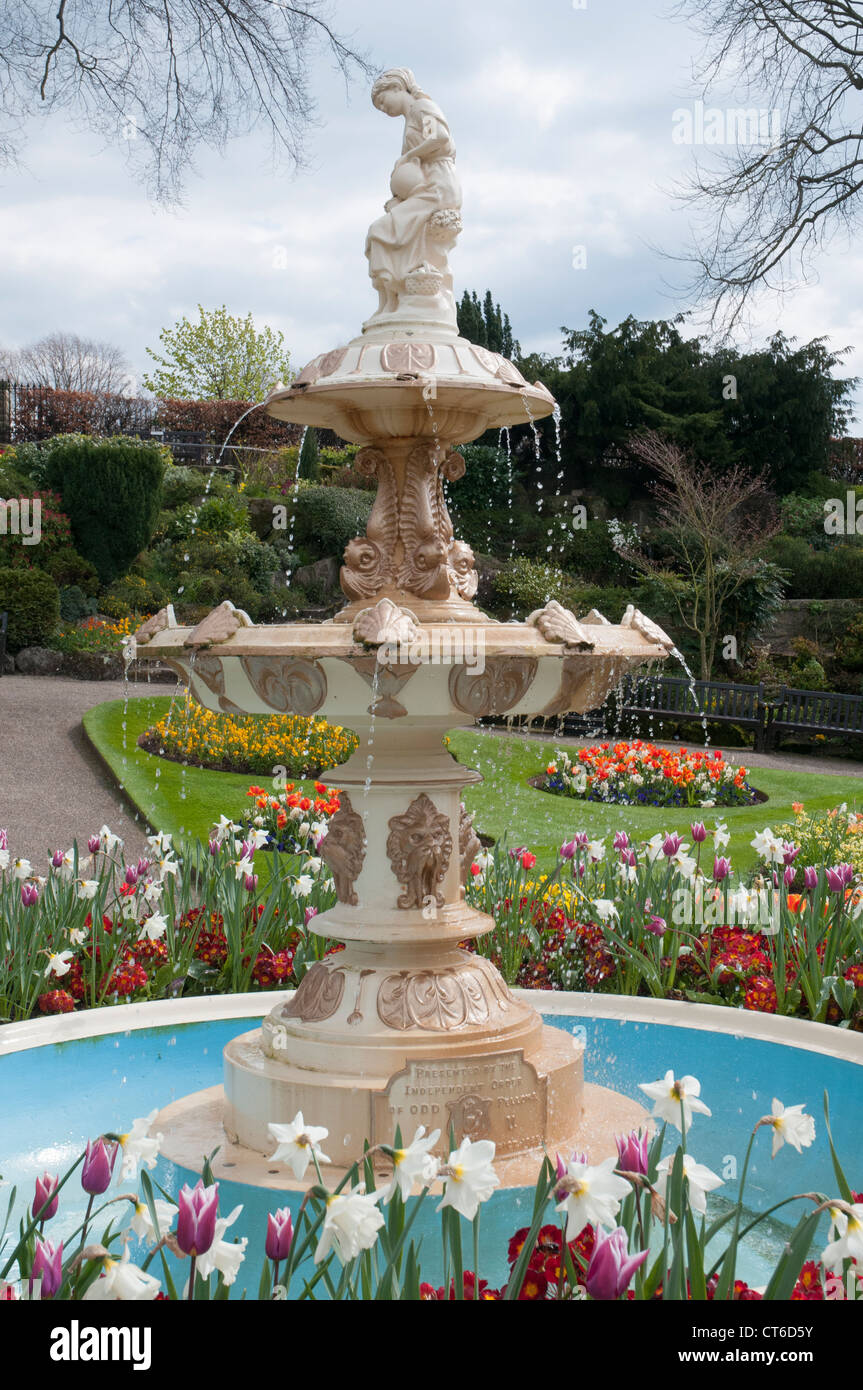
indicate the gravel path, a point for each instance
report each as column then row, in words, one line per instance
column 54, row 788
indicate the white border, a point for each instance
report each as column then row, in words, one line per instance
column 709, row 1018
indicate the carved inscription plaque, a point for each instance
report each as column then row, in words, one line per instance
column 497, row 1098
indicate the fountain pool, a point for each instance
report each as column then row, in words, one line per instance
column 70, row 1078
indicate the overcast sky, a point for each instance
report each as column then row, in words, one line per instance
column 562, row 119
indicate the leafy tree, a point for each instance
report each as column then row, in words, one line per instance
column 163, row 79
column 219, row 357
column 482, row 322
column 775, row 201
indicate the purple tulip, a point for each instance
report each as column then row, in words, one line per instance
column 141, row 867
column 98, row 1167
column 721, row 868
column 517, row 853
column 280, row 1234
column 698, row 831
column 47, row 1266
column 56, row 859
column 670, row 845
column 251, row 882
column 29, row 894
column 621, row 840
column 198, row 1208
column 567, row 850
column 655, row 925
column 628, row 856
column 309, row 913
column 810, row 877
column 611, row 1267
column 839, row 878
column 789, row 875
column 4, row 839
column 789, row 852
column 215, row 846
column 93, row 844
column 46, row 1190
column 248, row 850
column 132, row 875
column 632, row 1151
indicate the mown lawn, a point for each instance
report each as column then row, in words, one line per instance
column 187, row 801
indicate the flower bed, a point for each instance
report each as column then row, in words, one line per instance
column 633, row 1226
column 643, row 774
column 102, row 635
column 289, row 819
column 298, row 746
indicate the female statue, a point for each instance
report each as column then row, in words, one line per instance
column 421, row 221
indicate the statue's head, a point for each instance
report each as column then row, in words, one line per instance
column 391, row 89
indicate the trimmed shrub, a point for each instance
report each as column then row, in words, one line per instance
column 328, row 517
column 309, row 466
column 111, row 491
column 32, row 600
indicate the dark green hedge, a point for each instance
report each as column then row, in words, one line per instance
column 32, row 600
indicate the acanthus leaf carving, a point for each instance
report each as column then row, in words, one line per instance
column 419, row 847
column 343, row 848
column 318, row 995
column 289, row 685
column 504, row 682
column 436, row 1000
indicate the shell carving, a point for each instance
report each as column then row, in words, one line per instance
column 386, row 622
column 218, row 626
column 558, row 624
column 419, row 847
column 158, row 623
column 647, row 627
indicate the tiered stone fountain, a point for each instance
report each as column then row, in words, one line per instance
column 405, row 1026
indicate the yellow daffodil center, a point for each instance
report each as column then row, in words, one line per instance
column 458, row 1174
column 398, row 1155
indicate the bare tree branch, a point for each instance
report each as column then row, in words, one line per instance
column 165, row 76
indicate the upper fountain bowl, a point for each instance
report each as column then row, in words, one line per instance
column 402, row 384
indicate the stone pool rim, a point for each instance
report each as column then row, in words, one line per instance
column 823, row 1038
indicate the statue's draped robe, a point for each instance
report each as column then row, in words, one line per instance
column 397, row 243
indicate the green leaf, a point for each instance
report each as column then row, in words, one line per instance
column 787, row 1272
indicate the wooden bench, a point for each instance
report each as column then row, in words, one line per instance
column 674, row 699
column 811, row 712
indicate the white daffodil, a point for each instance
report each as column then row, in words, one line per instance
column 303, row 886
column 313, row 864
column 58, row 963
column 684, row 863
column 108, row 840
column 297, row 1144
column 304, row 830
column 87, row 889
column 139, row 1147
column 159, row 843
column 226, row 1256
column 627, row 872
column 142, row 1220
column 129, row 910
column 224, row 828
column 351, row 1224
column 66, row 867
column 848, row 1238
column 790, row 1126
column 414, row 1164
column 167, row 865
column 721, row 836
column 153, row 891
column 241, row 867
column 590, row 1193
column 596, row 850
column 700, row 1179
column 768, row 846
column 257, row 838
column 670, row 1096
column 77, row 936
column 122, row 1281
column 469, row 1177
column 744, row 904
column 21, row 868
column 604, row 909
column 653, row 848
column 154, row 928
column 4, row 857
